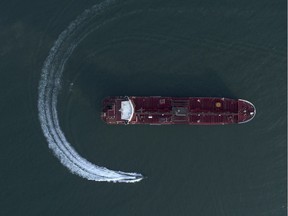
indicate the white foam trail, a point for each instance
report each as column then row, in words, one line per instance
column 49, row 87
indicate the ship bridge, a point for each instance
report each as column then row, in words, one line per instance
column 127, row 110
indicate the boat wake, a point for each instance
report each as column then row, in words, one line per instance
column 49, row 87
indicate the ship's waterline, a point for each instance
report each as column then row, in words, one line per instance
column 171, row 110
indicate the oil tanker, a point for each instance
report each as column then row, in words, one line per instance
column 156, row 110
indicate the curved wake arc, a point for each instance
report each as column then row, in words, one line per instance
column 49, row 87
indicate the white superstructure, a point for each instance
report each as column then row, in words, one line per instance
column 127, row 110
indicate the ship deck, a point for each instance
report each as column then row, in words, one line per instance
column 185, row 110
column 170, row 110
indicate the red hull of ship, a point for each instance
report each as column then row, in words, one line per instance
column 172, row 110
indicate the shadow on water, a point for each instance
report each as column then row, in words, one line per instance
column 203, row 83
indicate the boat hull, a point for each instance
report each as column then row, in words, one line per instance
column 172, row 110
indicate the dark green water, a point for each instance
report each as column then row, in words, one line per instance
column 233, row 49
